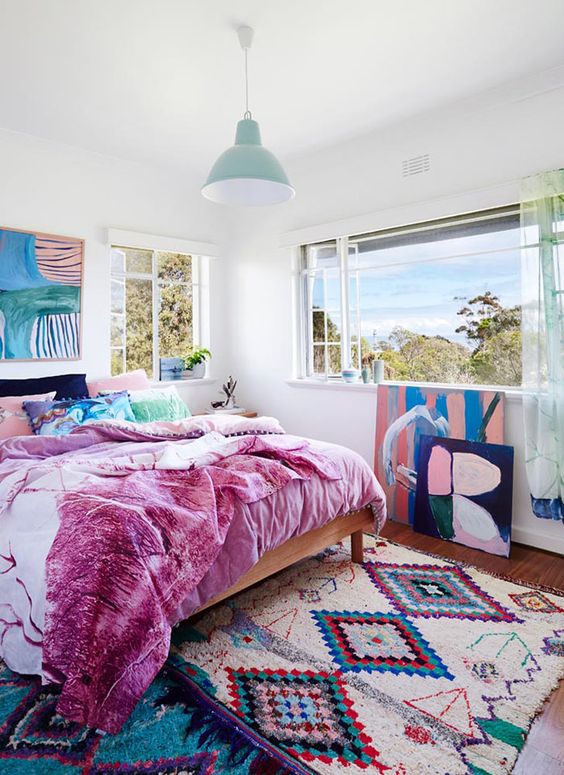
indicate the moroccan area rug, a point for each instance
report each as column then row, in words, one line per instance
column 174, row 730
column 409, row 664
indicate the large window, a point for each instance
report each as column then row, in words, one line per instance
column 437, row 302
column 154, row 307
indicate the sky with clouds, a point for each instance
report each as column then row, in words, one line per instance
column 409, row 287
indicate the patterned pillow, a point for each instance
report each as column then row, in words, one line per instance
column 158, row 404
column 13, row 418
column 57, row 418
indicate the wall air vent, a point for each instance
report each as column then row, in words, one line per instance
column 416, row 165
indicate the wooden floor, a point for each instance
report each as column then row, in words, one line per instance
column 543, row 753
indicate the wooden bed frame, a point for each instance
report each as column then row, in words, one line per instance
column 295, row 549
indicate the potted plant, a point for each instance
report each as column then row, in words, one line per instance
column 195, row 363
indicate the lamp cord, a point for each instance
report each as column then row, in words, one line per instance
column 247, row 111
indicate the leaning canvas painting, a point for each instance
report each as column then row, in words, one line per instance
column 464, row 493
column 40, row 296
column 406, row 412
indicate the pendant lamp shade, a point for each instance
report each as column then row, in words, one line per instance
column 247, row 173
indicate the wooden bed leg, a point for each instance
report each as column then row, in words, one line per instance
column 357, row 546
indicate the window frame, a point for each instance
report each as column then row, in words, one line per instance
column 199, row 286
column 344, row 244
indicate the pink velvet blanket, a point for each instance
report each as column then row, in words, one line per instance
column 105, row 532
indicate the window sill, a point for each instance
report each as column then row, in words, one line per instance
column 337, row 384
column 511, row 393
column 183, row 382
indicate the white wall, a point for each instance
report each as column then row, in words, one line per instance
column 63, row 190
column 479, row 150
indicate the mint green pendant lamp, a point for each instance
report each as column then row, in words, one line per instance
column 247, row 173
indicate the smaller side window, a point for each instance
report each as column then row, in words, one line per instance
column 152, row 307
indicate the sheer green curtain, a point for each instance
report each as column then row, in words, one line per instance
column 542, row 222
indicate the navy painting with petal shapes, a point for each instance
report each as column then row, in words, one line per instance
column 465, row 493
column 40, row 296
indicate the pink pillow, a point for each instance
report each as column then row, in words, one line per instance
column 131, row 380
column 13, row 417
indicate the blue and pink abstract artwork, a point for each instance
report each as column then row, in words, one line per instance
column 464, row 493
column 40, row 296
column 407, row 412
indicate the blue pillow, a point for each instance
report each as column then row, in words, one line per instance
column 64, row 385
column 57, row 418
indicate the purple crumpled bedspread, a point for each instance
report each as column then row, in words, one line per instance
column 143, row 514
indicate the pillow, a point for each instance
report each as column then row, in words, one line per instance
column 64, row 386
column 131, row 380
column 13, row 418
column 158, row 404
column 57, row 418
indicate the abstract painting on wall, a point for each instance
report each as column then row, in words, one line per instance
column 406, row 412
column 40, row 296
column 464, row 493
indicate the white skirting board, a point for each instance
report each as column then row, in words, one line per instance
column 528, row 537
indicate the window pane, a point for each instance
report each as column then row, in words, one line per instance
column 453, row 321
column 175, row 267
column 413, row 246
column 334, row 355
column 117, row 333
column 118, row 296
column 333, row 326
column 139, row 261
column 319, row 359
column 322, row 256
column 175, row 320
column 353, row 292
column 355, row 356
column 318, row 324
column 118, row 362
column 324, row 289
column 118, row 260
column 139, row 324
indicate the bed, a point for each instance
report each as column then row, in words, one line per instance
column 112, row 535
column 352, row 525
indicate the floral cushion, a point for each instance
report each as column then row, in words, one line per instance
column 13, row 417
column 57, row 418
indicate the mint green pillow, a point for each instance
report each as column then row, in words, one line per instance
column 158, row 404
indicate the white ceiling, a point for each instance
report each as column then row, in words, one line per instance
column 160, row 81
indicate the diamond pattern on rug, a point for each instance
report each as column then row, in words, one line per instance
column 174, row 729
column 535, row 601
column 308, row 714
column 434, row 591
column 378, row 641
column 34, row 728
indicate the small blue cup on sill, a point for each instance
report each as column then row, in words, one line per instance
column 350, row 375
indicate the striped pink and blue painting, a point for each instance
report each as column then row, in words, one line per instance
column 405, row 413
column 40, row 296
